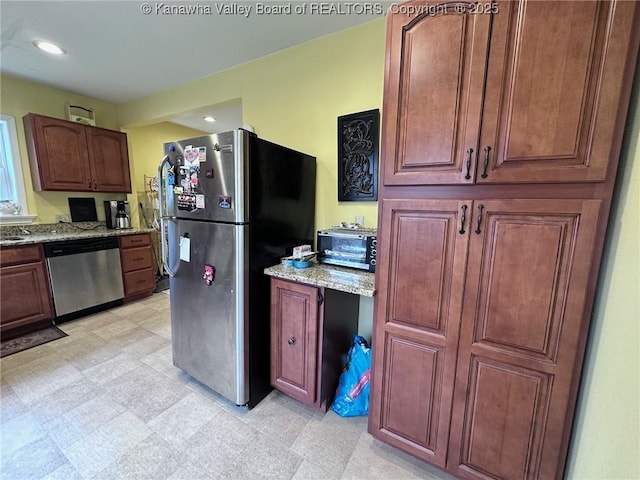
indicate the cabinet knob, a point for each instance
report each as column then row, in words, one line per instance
column 291, row 340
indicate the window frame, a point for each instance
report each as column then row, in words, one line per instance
column 19, row 179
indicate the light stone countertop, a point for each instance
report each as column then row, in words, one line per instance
column 12, row 236
column 348, row 280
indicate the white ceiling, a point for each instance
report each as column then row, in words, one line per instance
column 116, row 53
column 228, row 116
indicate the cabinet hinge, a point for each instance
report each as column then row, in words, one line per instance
column 320, row 298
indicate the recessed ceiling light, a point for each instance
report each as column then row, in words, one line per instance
column 49, row 47
column 209, row 118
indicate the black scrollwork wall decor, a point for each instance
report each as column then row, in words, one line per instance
column 358, row 156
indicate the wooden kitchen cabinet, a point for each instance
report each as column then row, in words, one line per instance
column 311, row 330
column 69, row 156
column 543, row 115
column 136, row 258
column 420, row 281
column 25, row 296
column 525, row 293
column 109, row 160
column 479, row 317
column 294, row 339
column 486, row 277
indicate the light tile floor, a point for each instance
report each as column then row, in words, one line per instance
column 106, row 402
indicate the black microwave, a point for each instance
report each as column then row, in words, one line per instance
column 348, row 247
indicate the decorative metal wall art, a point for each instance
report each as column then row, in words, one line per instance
column 358, row 156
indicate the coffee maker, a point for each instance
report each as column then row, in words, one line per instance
column 117, row 214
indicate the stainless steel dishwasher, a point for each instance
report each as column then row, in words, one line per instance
column 84, row 273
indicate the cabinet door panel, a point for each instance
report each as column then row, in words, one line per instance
column 523, row 313
column 109, row 160
column 509, row 400
column 547, row 110
column 523, row 280
column 294, row 339
column 419, row 279
column 433, row 93
column 19, row 283
column 61, row 153
column 411, row 408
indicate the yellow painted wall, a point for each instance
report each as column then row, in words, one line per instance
column 606, row 436
column 146, row 151
column 19, row 97
column 294, row 97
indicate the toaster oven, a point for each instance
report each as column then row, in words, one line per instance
column 355, row 248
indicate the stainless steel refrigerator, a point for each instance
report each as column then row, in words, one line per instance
column 232, row 204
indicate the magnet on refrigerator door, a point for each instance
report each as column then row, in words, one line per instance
column 186, row 201
column 209, row 274
column 224, row 201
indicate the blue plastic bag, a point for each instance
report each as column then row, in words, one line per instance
column 352, row 395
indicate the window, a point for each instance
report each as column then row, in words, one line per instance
column 13, row 200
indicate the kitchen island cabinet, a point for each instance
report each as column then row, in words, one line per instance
column 25, row 297
column 68, row 156
column 311, row 330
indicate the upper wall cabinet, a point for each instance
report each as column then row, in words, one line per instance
column 69, row 156
column 503, row 92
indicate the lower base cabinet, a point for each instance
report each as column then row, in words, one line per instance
column 311, row 332
column 25, row 297
column 479, row 320
column 136, row 257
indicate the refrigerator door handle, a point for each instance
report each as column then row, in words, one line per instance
column 161, row 193
column 164, row 249
column 163, row 226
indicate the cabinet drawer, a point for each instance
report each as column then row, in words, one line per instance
column 132, row 241
column 136, row 259
column 23, row 254
column 139, row 281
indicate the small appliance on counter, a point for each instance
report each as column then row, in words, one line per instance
column 82, row 209
column 348, row 246
column 117, row 214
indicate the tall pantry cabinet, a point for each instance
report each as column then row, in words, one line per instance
column 501, row 134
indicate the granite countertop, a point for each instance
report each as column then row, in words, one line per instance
column 11, row 236
column 338, row 278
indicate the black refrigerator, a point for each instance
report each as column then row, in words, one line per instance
column 232, row 204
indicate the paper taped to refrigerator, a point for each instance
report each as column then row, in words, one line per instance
column 185, row 249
